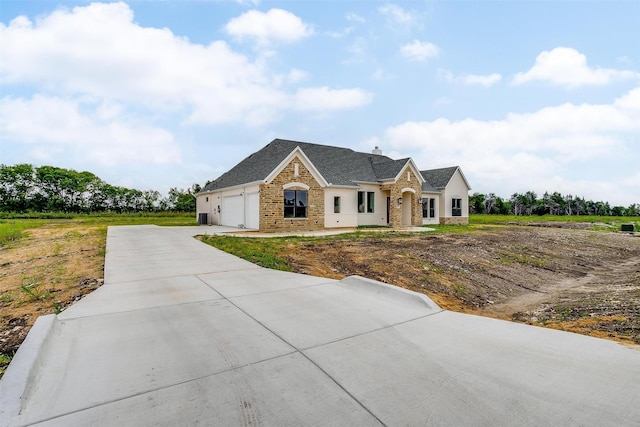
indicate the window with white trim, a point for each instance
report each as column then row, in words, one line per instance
column 429, row 208
column 366, row 201
column 336, row 204
column 370, row 201
column 456, row 207
column 295, row 203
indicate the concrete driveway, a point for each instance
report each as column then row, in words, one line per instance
column 184, row 334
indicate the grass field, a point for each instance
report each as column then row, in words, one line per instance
column 13, row 226
column 614, row 221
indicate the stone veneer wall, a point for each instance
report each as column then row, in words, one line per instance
column 395, row 192
column 456, row 220
column 272, row 201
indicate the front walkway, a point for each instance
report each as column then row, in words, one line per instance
column 219, row 230
column 184, row 334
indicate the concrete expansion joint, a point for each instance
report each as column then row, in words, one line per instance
column 155, row 390
column 276, row 291
column 137, row 310
column 371, row 331
column 302, row 353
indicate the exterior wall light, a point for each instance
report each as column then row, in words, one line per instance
column 399, row 200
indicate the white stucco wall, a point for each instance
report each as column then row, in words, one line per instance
column 348, row 216
column 456, row 189
column 436, row 218
column 203, row 205
column 379, row 215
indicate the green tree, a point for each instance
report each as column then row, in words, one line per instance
column 476, row 203
column 16, row 187
column 182, row 200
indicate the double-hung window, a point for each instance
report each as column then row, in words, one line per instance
column 366, row 201
column 456, row 207
column 429, row 208
column 370, row 201
column 360, row 201
column 295, row 203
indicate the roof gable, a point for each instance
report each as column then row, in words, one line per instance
column 298, row 153
column 439, row 178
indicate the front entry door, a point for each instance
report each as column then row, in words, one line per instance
column 388, row 209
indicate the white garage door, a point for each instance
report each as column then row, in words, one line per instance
column 232, row 211
column 253, row 211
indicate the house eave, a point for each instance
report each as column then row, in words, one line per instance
column 367, row 183
column 233, row 187
column 349, row 187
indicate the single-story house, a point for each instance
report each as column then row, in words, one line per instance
column 298, row 185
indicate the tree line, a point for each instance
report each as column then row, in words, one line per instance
column 25, row 188
column 529, row 203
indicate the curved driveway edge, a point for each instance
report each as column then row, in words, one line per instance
column 182, row 333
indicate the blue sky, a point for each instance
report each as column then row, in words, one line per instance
column 523, row 95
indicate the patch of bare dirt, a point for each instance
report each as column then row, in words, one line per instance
column 43, row 274
column 566, row 278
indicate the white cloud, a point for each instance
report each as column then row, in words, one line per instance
column 381, row 75
column 419, row 51
column 98, row 51
column 354, row 17
column 396, row 14
column 568, row 67
column 296, row 76
column 341, row 33
column 324, row 98
column 486, row 80
column 101, row 133
column 356, row 50
column 470, row 79
column 528, row 151
column 276, row 25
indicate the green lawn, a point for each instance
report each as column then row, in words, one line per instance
column 504, row 219
column 13, row 226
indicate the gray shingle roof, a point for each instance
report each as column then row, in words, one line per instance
column 438, row 178
column 426, row 187
column 339, row 166
column 389, row 169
